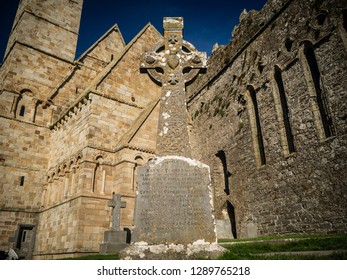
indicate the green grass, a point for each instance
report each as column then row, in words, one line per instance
column 253, row 251
column 274, row 245
column 281, row 237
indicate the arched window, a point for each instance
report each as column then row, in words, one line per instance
column 22, row 111
column 315, row 79
column 285, row 114
column 257, row 128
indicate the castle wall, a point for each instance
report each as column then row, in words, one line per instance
column 282, row 192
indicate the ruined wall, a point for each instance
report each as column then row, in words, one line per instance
column 286, row 170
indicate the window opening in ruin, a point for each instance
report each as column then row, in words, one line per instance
column 259, row 134
column 231, row 213
column 226, row 174
column 344, row 17
column 285, row 110
column 221, row 155
column 321, row 96
column 94, row 176
column 260, row 67
column 320, row 19
column 22, row 178
column 22, row 111
column 288, row 44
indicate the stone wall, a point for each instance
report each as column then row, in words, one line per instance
column 50, row 26
column 273, row 189
column 95, row 150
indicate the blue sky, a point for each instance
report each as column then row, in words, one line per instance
column 206, row 22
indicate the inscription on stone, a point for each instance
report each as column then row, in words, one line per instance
column 173, row 203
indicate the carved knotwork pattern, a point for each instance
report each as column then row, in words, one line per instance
column 173, row 138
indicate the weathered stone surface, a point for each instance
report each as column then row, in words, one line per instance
column 114, row 241
column 294, row 192
column 197, row 251
column 173, row 202
column 223, row 229
column 168, row 64
column 116, row 204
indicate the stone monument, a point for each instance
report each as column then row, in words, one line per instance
column 174, row 201
column 114, row 239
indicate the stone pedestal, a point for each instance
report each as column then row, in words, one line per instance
column 174, row 202
column 114, row 241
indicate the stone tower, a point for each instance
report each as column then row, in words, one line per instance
column 40, row 50
column 43, row 31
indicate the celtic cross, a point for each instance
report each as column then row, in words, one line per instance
column 172, row 65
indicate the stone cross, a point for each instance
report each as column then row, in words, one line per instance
column 173, row 64
column 116, row 205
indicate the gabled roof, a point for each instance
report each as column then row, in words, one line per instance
column 113, row 28
column 77, row 62
column 102, row 75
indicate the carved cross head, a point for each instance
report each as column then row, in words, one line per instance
column 173, row 62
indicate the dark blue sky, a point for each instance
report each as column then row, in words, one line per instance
column 206, row 22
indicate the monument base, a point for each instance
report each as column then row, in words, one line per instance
column 196, row 251
column 115, row 241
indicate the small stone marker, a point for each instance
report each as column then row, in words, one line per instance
column 174, row 201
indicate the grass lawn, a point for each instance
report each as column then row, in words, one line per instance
column 261, row 250
column 272, row 248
